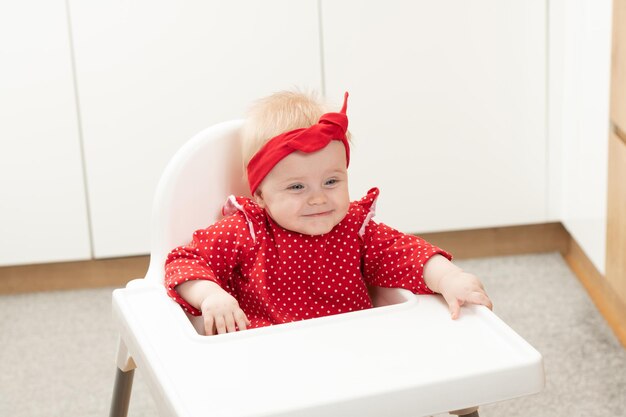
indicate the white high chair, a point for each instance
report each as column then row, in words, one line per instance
column 404, row 358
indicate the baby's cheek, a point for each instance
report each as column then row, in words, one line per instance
column 344, row 209
column 290, row 213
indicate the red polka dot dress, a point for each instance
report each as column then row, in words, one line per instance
column 280, row 276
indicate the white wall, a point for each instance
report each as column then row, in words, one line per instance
column 579, row 82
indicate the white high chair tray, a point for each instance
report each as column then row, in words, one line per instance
column 407, row 359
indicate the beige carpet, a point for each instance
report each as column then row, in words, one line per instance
column 57, row 349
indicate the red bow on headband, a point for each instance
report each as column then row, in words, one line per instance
column 331, row 126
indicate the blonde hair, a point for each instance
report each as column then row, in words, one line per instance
column 278, row 113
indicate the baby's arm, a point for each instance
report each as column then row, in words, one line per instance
column 220, row 310
column 196, row 275
column 456, row 286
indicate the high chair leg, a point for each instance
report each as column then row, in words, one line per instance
column 121, row 393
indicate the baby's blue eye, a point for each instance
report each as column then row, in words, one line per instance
column 332, row 181
column 295, row 187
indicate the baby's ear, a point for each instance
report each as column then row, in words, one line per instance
column 258, row 197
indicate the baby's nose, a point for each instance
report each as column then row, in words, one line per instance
column 317, row 197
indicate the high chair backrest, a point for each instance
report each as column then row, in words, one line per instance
column 193, row 189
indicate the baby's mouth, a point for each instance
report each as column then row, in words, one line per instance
column 319, row 214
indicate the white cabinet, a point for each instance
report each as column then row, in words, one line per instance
column 151, row 74
column 43, row 207
column 580, row 69
column 447, row 108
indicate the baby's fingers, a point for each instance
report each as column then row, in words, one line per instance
column 478, row 297
column 241, row 320
column 454, row 306
column 455, row 310
column 230, row 323
column 220, row 324
column 209, row 324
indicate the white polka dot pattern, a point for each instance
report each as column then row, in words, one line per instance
column 283, row 276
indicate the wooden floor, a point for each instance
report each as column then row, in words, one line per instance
column 498, row 241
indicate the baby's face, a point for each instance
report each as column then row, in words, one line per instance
column 307, row 192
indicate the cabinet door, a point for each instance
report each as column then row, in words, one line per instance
column 152, row 74
column 43, row 209
column 580, row 50
column 447, row 107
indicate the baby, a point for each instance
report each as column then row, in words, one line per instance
column 299, row 249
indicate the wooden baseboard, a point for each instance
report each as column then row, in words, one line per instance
column 72, row 275
column 501, row 241
column 599, row 289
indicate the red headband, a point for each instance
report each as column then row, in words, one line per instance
column 331, row 126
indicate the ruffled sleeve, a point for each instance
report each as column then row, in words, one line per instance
column 393, row 259
column 213, row 253
column 249, row 209
column 368, row 206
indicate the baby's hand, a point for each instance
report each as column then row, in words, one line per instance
column 222, row 314
column 458, row 288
